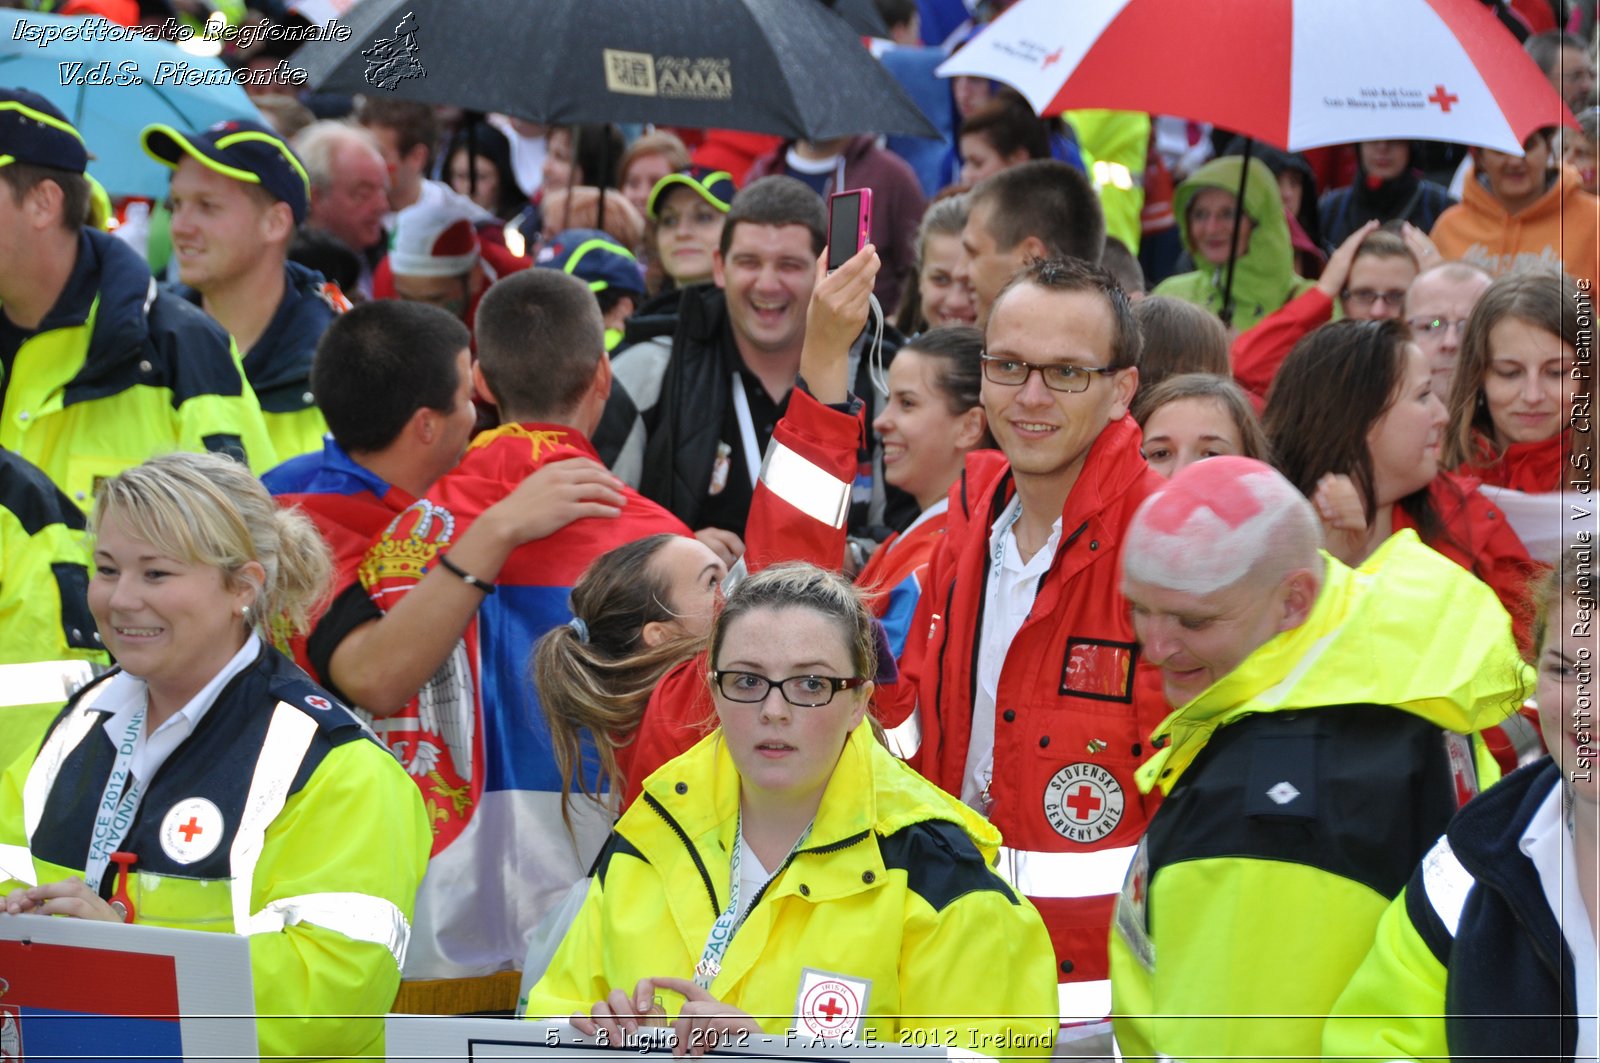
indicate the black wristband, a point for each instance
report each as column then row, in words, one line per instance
column 466, row 577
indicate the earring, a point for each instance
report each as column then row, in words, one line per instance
column 244, row 611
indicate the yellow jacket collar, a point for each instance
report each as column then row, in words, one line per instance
column 1409, row 629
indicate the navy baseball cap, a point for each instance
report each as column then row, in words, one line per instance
column 241, row 149
column 595, row 257
column 33, row 131
column 713, row 186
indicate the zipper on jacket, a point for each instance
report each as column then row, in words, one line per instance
column 694, row 854
column 832, row 847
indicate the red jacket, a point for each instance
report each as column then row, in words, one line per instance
column 1532, row 468
column 1259, row 351
column 1074, row 708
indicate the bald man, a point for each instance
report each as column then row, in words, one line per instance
column 1318, row 749
column 1438, row 304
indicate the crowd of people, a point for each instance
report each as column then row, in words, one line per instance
column 500, row 568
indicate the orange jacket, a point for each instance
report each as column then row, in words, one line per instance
column 1561, row 228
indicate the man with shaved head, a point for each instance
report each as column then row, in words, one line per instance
column 1318, row 747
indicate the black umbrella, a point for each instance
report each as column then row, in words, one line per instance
column 789, row 67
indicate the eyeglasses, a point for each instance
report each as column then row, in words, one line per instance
column 802, row 691
column 1437, row 326
column 1365, row 297
column 1013, row 373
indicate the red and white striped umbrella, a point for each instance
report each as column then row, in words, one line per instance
column 1295, row 73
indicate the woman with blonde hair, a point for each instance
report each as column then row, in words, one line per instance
column 206, row 782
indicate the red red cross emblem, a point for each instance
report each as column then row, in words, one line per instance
column 831, row 1008
column 1442, row 98
column 1051, row 60
column 190, row 829
column 1083, row 802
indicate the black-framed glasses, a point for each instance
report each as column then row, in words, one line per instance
column 1013, row 373
column 1437, row 326
column 1365, row 297
column 802, row 691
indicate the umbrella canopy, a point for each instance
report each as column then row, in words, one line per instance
column 110, row 90
column 1295, row 73
column 765, row 66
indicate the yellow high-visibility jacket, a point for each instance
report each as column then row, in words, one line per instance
column 892, row 887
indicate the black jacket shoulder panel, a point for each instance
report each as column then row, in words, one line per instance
column 941, row 863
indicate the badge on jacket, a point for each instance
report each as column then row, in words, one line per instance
column 191, row 830
column 1131, row 907
column 831, row 1007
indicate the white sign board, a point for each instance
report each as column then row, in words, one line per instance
column 79, row 988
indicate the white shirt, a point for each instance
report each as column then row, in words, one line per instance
column 126, row 695
column 1013, row 584
column 1547, row 844
column 753, row 874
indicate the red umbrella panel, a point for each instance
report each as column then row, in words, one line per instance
column 1295, row 73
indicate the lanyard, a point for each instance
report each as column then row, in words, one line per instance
column 747, row 430
column 118, row 803
column 732, row 918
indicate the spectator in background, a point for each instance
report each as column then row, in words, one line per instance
column 1179, row 337
column 607, row 267
column 477, row 164
column 1516, row 212
column 688, row 209
column 580, row 208
column 1355, row 425
column 1297, row 184
column 997, row 136
column 1511, row 399
column 1263, row 257
column 102, row 368
column 1387, row 188
column 237, row 195
column 581, row 155
column 285, row 114
column 857, row 162
column 645, row 162
column 1043, row 209
column 407, row 133
column 903, row 19
column 1438, row 304
column 1567, row 62
column 938, row 299
column 349, row 190
column 678, row 424
column 1121, row 264
column 1192, row 416
column 1366, row 280
column 437, row 259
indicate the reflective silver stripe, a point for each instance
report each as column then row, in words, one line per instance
column 1447, row 884
column 1063, row 875
column 288, row 737
column 47, row 765
column 1083, row 1001
column 359, row 916
column 811, row 489
column 16, row 862
column 42, row 683
column 906, row 739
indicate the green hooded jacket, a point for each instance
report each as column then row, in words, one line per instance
column 1263, row 277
